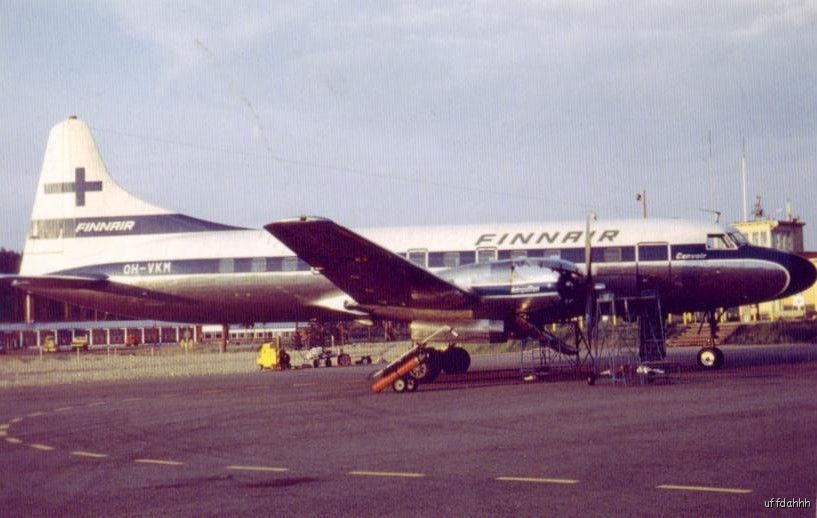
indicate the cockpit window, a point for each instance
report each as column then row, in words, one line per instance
column 719, row 242
column 738, row 238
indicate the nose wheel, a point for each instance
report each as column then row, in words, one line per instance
column 710, row 358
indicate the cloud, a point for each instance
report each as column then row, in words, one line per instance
column 562, row 104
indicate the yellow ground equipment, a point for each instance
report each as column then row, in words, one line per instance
column 187, row 344
column 272, row 356
column 50, row 345
column 79, row 342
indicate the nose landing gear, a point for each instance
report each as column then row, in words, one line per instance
column 710, row 357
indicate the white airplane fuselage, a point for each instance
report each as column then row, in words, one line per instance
column 93, row 244
column 243, row 276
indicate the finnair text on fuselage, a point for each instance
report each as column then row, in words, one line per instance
column 90, row 227
column 538, row 238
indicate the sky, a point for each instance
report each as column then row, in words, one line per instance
column 414, row 113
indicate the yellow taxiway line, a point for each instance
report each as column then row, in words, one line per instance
column 159, row 461
column 386, row 474
column 732, row 490
column 258, row 468
column 536, row 480
column 89, row 454
column 41, row 447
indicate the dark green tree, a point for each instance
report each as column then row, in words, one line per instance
column 9, row 298
column 9, row 261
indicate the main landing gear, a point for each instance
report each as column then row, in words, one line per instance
column 710, row 357
column 452, row 360
column 421, row 364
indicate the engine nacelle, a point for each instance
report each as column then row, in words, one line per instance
column 523, row 285
column 467, row 331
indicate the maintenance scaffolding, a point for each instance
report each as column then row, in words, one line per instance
column 623, row 342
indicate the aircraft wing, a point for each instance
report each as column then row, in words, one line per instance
column 44, row 283
column 366, row 271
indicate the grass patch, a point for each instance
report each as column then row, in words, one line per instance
column 775, row 333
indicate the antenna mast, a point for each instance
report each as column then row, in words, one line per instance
column 743, row 182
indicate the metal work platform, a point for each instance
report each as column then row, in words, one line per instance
column 628, row 342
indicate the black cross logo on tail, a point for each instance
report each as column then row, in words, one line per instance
column 79, row 186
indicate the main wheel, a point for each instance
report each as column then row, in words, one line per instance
column 455, row 360
column 428, row 370
column 710, row 358
column 411, row 384
column 399, row 385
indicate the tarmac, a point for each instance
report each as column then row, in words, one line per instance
column 318, row 442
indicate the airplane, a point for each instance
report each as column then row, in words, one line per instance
column 93, row 244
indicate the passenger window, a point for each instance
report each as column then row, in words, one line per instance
column 451, row 259
column 516, row 254
column 467, row 258
column 289, row 264
column 226, row 265
column 574, row 255
column 485, row 255
column 258, row 264
column 418, row 257
column 612, row 255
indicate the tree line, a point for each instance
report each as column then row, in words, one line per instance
column 9, row 298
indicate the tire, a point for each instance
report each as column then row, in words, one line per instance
column 411, row 384
column 399, row 385
column 455, row 360
column 328, row 362
column 316, row 363
column 429, row 369
column 710, row 358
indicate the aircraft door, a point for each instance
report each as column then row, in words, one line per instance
column 653, row 267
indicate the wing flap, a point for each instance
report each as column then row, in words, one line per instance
column 366, row 271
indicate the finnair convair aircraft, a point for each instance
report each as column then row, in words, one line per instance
column 93, row 244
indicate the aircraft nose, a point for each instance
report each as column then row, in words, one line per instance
column 802, row 274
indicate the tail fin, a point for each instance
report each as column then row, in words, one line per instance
column 74, row 182
column 77, row 198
